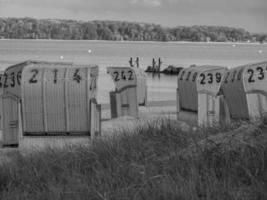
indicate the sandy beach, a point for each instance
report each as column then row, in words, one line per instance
column 153, row 111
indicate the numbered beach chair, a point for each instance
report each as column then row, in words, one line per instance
column 49, row 99
column 199, row 101
column 124, row 100
column 245, row 90
column 1, row 106
column 141, row 79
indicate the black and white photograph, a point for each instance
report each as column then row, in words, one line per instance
column 133, row 99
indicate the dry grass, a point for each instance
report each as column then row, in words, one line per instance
column 147, row 163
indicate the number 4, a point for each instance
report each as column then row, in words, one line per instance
column 123, row 75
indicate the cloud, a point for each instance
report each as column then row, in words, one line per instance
column 4, row 1
column 150, row 3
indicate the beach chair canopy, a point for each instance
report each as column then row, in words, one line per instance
column 238, row 85
column 198, row 80
column 55, row 97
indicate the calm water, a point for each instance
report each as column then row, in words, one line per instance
column 105, row 54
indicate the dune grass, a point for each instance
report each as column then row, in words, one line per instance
column 145, row 163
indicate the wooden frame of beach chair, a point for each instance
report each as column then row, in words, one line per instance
column 199, row 101
column 44, row 99
column 1, row 105
column 245, row 90
column 124, row 100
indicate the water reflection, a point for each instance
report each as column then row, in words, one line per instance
column 155, row 75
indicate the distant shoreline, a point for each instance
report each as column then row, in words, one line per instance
column 130, row 41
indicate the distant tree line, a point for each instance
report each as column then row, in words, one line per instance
column 28, row 28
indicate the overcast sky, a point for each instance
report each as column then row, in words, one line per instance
column 248, row 14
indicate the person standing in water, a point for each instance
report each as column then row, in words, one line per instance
column 153, row 64
column 131, row 62
column 159, row 65
column 137, row 62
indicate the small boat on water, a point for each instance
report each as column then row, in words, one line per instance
column 171, row 70
column 155, row 68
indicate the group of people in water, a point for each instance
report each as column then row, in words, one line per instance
column 132, row 64
column 155, row 65
column 155, row 68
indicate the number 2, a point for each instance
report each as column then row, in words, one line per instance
column 202, row 81
column 116, row 76
column 130, row 76
column 251, row 73
column 34, row 74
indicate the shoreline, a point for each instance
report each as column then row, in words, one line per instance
column 151, row 103
column 130, row 41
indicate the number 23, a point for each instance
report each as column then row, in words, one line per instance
column 251, row 74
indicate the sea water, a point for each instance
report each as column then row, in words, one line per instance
column 113, row 53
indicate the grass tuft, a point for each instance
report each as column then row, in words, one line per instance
column 154, row 161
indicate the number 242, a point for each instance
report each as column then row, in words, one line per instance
column 122, row 76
